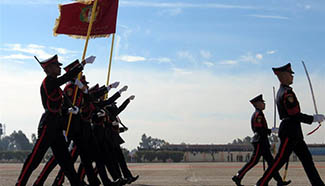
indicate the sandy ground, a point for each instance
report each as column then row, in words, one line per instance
column 166, row 174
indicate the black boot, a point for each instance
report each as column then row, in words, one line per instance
column 237, row 180
column 117, row 182
column 132, row 179
column 284, row 183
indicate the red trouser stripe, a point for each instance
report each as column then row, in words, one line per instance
column 82, row 173
column 276, row 162
column 252, row 163
column 32, row 157
column 74, row 149
column 45, row 169
column 61, row 179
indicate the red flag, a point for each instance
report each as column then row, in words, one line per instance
column 74, row 19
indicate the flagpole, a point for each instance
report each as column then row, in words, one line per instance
column 110, row 61
column 83, row 57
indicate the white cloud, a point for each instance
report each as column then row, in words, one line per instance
column 127, row 58
column 271, row 52
column 131, row 59
column 179, row 71
column 183, row 5
column 229, row 62
column 186, row 55
column 170, row 12
column 259, row 56
column 30, row 50
column 208, row 63
column 249, row 58
column 161, row 60
column 16, row 57
column 269, row 17
column 205, row 54
column 63, row 51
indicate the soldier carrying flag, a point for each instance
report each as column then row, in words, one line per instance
column 50, row 126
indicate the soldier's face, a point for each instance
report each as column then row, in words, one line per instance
column 260, row 105
column 286, row 78
column 54, row 70
column 289, row 77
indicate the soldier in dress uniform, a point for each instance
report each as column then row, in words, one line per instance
column 50, row 126
column 114, row 131
column 80, row 133
column 290, row 133
column 260, row 142
column 99, row 119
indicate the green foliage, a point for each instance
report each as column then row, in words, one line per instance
column 163, row 156
column 16, row 141
column 13, row 156
column 246, row 140
column 150, row 143
column 160, row 155
column 177, row 156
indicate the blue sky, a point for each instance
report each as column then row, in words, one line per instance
column 192, row 65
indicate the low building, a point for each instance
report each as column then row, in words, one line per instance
column 231, row 153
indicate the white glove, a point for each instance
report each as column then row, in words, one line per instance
column 78, row 83
column 319, row 118
column 131, row 97
column 115, row 123
column 123, row 89
column 113, row 85
column 101, row 113
column 90, row 59
column 275, row 130
column 65, row 137
column 73, row 110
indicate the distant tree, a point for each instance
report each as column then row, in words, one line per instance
column 247, row 140
column 144, row 144
column 163, row 156
column 4, row 143
column 20, row 141
column 238, row 141
column 177, row 156
column 150, row 155
column 151, row 143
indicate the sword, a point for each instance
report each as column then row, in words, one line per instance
column 313, row 96
column 274, row 120
column 274, row 107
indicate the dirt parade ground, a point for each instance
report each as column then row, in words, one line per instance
column 165, row 174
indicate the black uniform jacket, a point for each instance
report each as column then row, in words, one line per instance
column 259, row 127
column 51, row 93
column 289, row 111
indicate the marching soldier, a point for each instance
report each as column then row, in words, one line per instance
column 99, row 119
column 115, row 130
column 290, row 132
column 80, row 133
column 50, row 126
column 260, row 142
